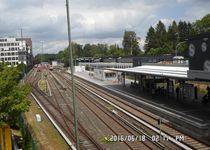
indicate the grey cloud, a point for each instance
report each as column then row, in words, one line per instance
column 91, row 20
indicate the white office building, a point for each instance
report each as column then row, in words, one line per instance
column 15, row 51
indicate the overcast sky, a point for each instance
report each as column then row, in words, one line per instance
column 92, row 21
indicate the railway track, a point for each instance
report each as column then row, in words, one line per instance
column 61, row 117
column 86, row 140
column 114, row 124
column 117, row 124
column 167, row 129
column 121, row 115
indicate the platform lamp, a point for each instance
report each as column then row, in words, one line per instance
column 72, row 76
column 131, row 38
column 176, row 52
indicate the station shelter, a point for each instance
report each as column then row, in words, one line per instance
column 169, row 78
column 161, row 78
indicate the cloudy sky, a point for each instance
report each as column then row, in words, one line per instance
column 92, row 21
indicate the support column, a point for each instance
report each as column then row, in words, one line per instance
column 154, row 83
column 183, row 94
column 167, row 90
column 123, row 79
column 141, row 82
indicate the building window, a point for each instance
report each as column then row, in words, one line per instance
column 13, row 58
column 9, row 58
column 1, row 44
column 2, row 54
column 2, row 59
column 5, row 44
column 12, row 44
column 16, row 58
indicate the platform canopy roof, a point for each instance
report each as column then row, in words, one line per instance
column 162, row 71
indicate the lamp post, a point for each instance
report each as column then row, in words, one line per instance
column 131, row 44
column 178, row 46
column 72, row 76
column 42, row 51
column 21, row 33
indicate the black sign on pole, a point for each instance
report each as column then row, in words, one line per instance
column 199, row 52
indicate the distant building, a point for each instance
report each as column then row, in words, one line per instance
column 54, row 63
column 16, row 51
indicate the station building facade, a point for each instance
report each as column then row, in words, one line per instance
column 15, row 51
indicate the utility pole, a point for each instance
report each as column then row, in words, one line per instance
column 72, row 77
column 131, row 44
column 24, row 54
column 42, row 51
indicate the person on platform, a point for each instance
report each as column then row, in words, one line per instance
column 177, row 92
column 196, row 92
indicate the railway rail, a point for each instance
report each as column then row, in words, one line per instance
column 167, row 129
column 62, row 119
column 151, row 144
column 118, row 115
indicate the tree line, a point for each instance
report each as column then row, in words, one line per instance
column 159, row 40
column 13, row 96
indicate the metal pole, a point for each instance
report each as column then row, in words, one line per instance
column 131, row 46
column 21, row 33
column 178, row 46
column 72, row 77
column 42, row 51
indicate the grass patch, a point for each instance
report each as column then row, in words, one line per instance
column 43, row 85
column 44, row 133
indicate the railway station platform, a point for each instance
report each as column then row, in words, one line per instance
column 191, row 116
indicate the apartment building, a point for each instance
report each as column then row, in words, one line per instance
column 16, row 51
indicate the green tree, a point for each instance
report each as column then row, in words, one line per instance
column 130, row 43
column 172, row 35
column 77, row 50
column 45, row 58
column 87, row 50
column 160, row 34
column 115, row 51
column 150, row 41
column 13, row 97
column 183, row 31
column 102, row 50
column 60, row 56
column 203, row 25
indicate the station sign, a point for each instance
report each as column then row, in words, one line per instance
column 199, row 56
